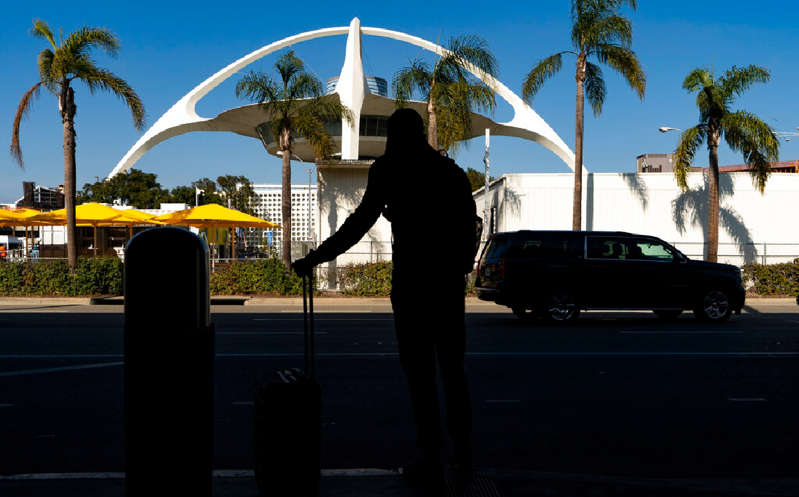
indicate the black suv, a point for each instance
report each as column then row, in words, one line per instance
column 556, row 273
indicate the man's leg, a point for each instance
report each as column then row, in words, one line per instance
column 417, row 356
column 450, row 349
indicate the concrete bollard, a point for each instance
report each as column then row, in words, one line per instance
column 169, row 354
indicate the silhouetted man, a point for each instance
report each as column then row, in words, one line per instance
column 428, row 200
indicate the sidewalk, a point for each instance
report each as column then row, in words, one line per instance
column 291, row 301
column 381, row 483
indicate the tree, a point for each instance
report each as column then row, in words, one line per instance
column 598, row 31
column 743, row 131
column 209, row 193
column 60, row 65
column 477, row 179
column 297, row 107
column 134, row 187
column 182, row 195
column 451, row 92
column 238, row 189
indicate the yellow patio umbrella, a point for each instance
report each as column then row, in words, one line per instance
column 93, row 214
column 24, row 217
column 215, row 216
column 136, row 217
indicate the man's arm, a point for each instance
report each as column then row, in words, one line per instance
column 356, row 225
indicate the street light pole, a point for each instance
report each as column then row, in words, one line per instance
column 486, row 161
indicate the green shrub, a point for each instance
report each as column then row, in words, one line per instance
column 773, row 279
column 92, row 276
column 256, row 276
column 371, row 279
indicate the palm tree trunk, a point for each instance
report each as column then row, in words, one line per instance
column 432, row 121
column 285, row 244
column 712, row 235
column 67, row 108
column 577, row 202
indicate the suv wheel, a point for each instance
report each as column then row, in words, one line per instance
column 668, row 314
column 714, row 306
column 523, row 313
column 561, row 307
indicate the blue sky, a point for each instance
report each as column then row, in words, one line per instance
column 169, row 47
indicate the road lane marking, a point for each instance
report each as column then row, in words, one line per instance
column 334, row 355
column 268, row 333
column 747, row 399
column 223, row 473
column 24, row 372
column 679, row 332
column 244, row 403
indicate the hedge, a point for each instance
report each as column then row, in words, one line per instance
column 371, row 279
column 103, row 276
column 772, row 279
column 93, row 276
column 374, row 279
column 256, row 276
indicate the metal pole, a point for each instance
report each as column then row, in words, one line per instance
column 309, row 204
column 486, row 161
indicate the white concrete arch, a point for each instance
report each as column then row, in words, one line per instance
column 182, row 118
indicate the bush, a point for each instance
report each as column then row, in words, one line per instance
column 92, row 276
column 258, row 276
column 371, row 279
column 772, row 279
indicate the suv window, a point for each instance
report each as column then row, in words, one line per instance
column 544, row 246
column 497, row 248
column 650, row 250
column 607, row 248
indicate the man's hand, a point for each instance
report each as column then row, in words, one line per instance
column 302, row 267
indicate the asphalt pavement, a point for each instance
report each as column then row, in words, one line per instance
column 611, row 404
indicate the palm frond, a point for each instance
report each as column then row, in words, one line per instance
column 613, row 29
column 80, row 41
column 45, row 63
column 303, row 85
column 624, row 61
column 22, row 110
column 102, row 79
column 257, row 87
column 414, row 77
column 40, row 29
column 745, row 132
column 737, row 80
column 697, row 79
column 288, row 65
column 326, row 108
column 474, row 50
column 539, row 74
column 690, row 140
column 594, row 87
column 312, row 128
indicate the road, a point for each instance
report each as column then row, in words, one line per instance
column 616, row 393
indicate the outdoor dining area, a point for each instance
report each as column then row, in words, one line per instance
column 122, row 225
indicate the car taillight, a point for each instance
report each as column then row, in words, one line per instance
column 501, row 271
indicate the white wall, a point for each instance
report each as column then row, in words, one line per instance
column 340, row 191
column 652, row 204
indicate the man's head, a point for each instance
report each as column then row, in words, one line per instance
column 406, row 133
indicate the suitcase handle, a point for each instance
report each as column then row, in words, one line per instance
column 308, row 326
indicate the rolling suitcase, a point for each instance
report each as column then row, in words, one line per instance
column 287, row 422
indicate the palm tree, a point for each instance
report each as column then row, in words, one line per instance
column 743, row 131
column 451, row 92
column 296, row 107
column 59, row 66
column 598, row 31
